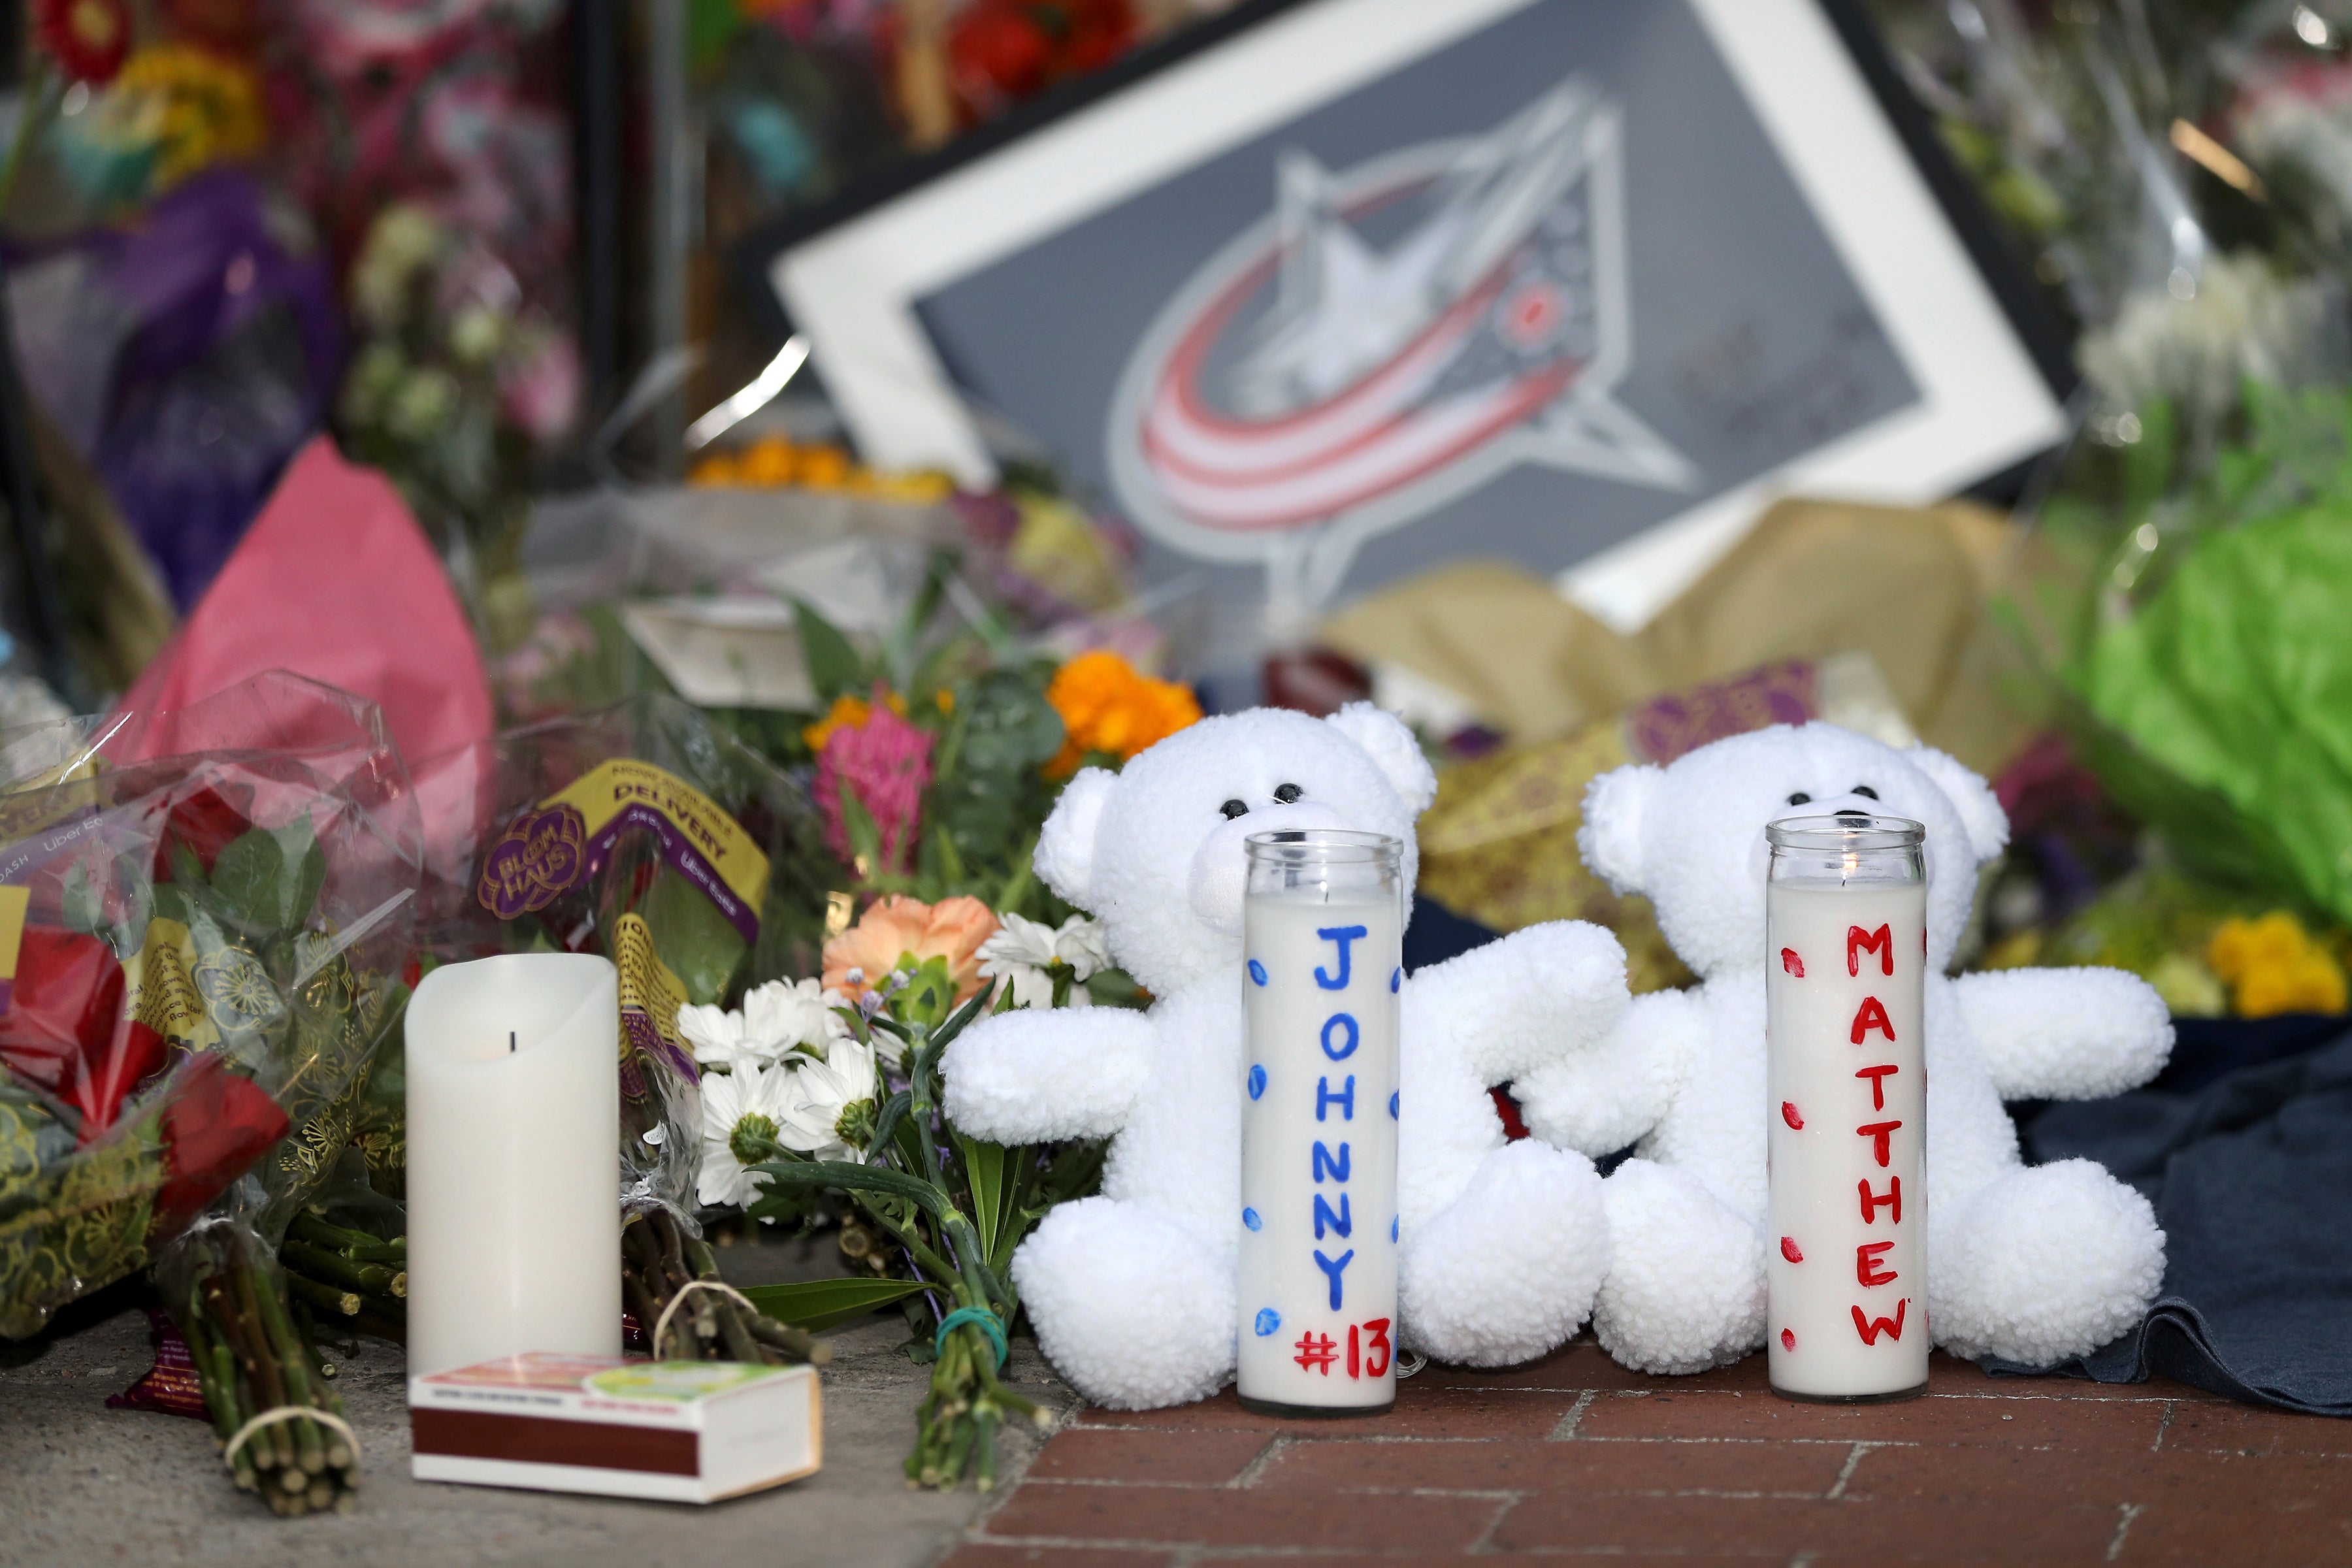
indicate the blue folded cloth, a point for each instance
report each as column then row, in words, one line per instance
column 2248, row 1170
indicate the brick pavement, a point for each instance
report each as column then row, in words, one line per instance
column 1574, row 1456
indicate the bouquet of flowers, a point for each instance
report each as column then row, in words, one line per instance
column 202, row 919
column 832, row 1084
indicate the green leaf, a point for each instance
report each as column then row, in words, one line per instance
column 984, row 1165
column 886, row 1122
column 834, row 666
column 952, row 870
column 865, row 837
column 247, row 881
column 819, row 1304
column 956, row 1022
column 699, row 945
column 299, row 848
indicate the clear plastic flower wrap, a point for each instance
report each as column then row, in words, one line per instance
column 2185, row 594
column 204, row 919
column 641, row 833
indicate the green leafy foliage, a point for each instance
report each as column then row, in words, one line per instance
column 833, row 665
column 2207, row 662
column 819, row 1304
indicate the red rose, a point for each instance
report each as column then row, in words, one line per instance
column 89, row 38
column 63, row 1030
column 216, row 1124
column 206, row 823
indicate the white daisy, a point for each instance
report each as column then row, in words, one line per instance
column 1021, row 954
column 1083, row 944
column 722, row 1039
column 737, row 1106
column 800, row 1015
column 830, row 1114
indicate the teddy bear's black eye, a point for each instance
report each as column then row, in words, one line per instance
column 1234, row 808
column 1287, row 793
column 1866, row 791
column 1800, row 798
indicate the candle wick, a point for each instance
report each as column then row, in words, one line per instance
column 511, row 1043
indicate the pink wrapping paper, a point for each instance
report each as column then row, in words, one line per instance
column 335, row 581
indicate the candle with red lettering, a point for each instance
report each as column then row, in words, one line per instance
column 1845, row 926
column 1322, row 933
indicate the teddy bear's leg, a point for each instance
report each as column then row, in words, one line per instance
column 2042, row 1264
column 1135, row 1310
column 1686, row 1284
column 1507, row 1270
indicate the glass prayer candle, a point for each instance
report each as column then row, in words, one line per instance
column 1322, row 934
column 1846, row 910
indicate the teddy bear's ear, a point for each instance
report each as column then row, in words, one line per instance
column 1980, row 808
column 1392, row 746
column 1064, row 860
column 1616, row 812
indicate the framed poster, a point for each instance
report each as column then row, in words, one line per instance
column 1357, row 286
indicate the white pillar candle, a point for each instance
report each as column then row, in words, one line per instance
column 1322, row 941
column 1845, row 921
column 514, row 1130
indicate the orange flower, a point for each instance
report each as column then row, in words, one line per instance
column 1106, row 706
column 901, row 932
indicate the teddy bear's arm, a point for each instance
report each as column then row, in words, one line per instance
column 1606, row 1097
column 2065, row 1034
column 1526, row 999
column 1033, row 1075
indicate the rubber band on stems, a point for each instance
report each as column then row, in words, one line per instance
column 688, row 1289
column 990, row 1324
column 288, row 1413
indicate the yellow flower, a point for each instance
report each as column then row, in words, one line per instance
column 768, row 462
column 1106, row 706
column 2273, row 965
column 193, row 106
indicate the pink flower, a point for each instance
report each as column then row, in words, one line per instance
column 885, row 763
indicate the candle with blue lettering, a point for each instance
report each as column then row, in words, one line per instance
column 1322, row 939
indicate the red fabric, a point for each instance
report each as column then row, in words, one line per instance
column 215, row 1125
column 64, row 1031
column 335, row 581
column 1515, row 1126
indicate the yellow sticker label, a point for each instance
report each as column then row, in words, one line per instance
column 13, row 902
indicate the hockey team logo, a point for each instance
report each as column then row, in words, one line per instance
column 1389, row 338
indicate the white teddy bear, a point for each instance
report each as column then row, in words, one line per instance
column 2031, row 1264
column 1132, row 1292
